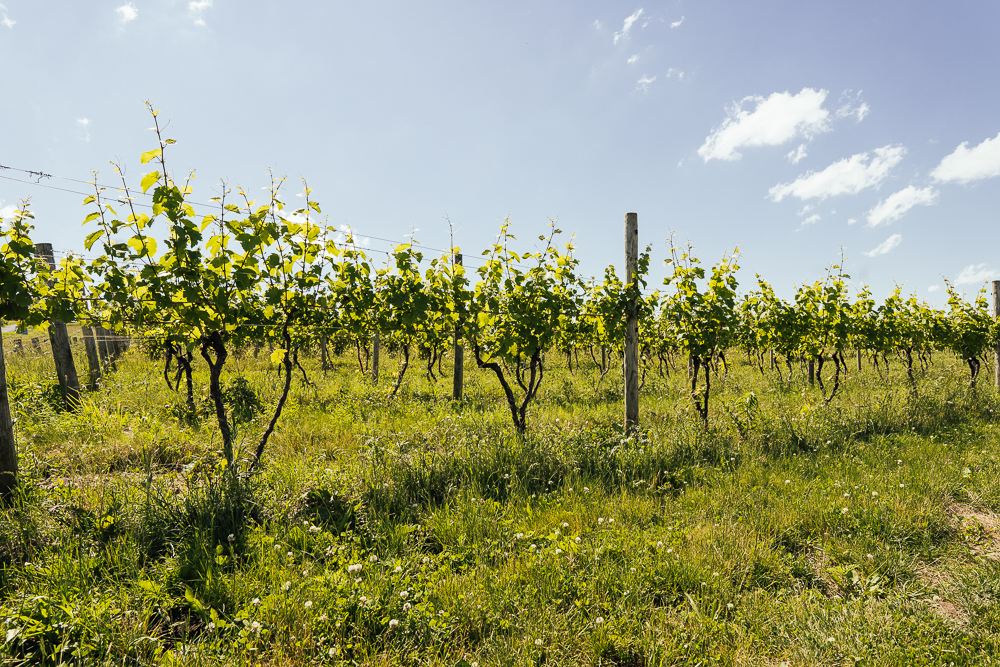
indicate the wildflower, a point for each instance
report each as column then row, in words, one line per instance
column 277, row 547
column 332, row 652
column 426, row 560
column 599, row 620
column 830, row 639
column 255, row 602
column 398, row 569
column 670, row 551
column 565, row 525
column 407, row 606
column 373, row 558
column 730, row 605
column 874, row 494
column 577, row 539
column 393, row 624
column 899, row 461
column 285, row 586
column 290, row 554
column 314, row 529
column 611, row 520
column 255, row 626
column 871, row 557
column 519, row 535
column 844, row 510
column 211, row 626
column 305, row 573
column 586, row 489
column 323, row 617
column 404, row 594
column 532, row 547
column 600, row 521
column 788, row 481
column 506, row 476
column 901, row 485
column 231, row 537
column 659, row 545
column 308, row 604
column 354, row 569
column 363, row 600
column 538, row 642
column 558, row 551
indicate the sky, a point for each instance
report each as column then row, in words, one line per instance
column 794, row 131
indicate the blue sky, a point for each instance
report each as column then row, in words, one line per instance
column 790, row 129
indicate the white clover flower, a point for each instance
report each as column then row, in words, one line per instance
column 538, row 642
column 670, row 551
column 844, row 510
column 332, row 652
column 532, row 547
column 558, row 551
column 323, row 617
column 363, row 600
column 211, row 626
column 285, row 586
column 290, row 554
column 519, row 535
column 874, row 494
column 404, row 594
column 729, row 606
column 314, row 529
column 600, row 521
column 788, row 481
column 393, row 624
column 426, row 560
column 231, row 537
column 255, row 602
column 308, row 604
column 565, row 525
column 659, row 545
column 586, row 489
column 577, row 539
column 599, row 620
column 398, row 569
column 373, row 558
column 354, row 569
column 407, row 606
column 255, row 626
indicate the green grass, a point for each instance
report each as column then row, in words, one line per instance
column 859, row 532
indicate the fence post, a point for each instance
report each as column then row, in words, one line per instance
column 375, row 351
column 8, row 446
column 62, row 354
column 996, row 352
column 631, row 325
column 93, row 358
column 459, row 370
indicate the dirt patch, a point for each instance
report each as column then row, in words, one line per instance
column 979, row 528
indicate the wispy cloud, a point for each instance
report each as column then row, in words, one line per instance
column 848, row 176
column 644, row 83
column 897, row 204
column 196, row 7
column 886, row 245
column 633, row 59
column 796, row 156
column 618, row 35
column 127, row 12
column 673, row 72
column 7, row 211
column 597, row 24
column 811, row 220
column 976, row 274
column 84, row 124
column 933, row 288
column 677, row 24
column 852, row 221
column 774, row 120
column 965, row 164
column 852, row 105
column 7, row 21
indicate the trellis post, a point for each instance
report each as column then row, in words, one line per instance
column 62, row 354
column 458, row 373
column 631, row 324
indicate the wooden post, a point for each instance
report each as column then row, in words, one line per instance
column 8, row 447
column 102, row 346
column 375, row 352
column 631, row 325
column 771, row 355
column 859, row 358
column 93, row 358
column 811, row 367
column 459, row 370
column 996, row 352
column 62, row 354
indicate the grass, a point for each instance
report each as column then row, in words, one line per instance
column 421, row 531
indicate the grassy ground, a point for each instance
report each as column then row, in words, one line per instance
column 416, row 530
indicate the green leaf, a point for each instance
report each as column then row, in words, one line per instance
column 278, row 356
column 314, row 206
column 149, row 180
column 149, row 155
column 93, row 216
column 89, row 200
column 92, row 238
column 145, row 247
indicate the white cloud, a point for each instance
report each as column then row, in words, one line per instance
column 597, row 24
column 806, row 209
column 775, row 120
column 976, row 274
column 677, row 24
column 970, row 164
column 897, row 204
column 672, row 72
column 812, row 220
column 886, row 245
column 84, row 124
column 618, row 35
column 644, row 83
column 633, row 59
column 852, row 105
column 127, row 12
column 933, row 288
column 196, row 7
column 848, row 176
column 7, row 211
column 7, row 21
column 852, row 221
column 796, row 156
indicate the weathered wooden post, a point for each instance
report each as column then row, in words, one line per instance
column 102, row 346
column 996, row 352
column 93, row 358
column 375, row 353
column 62, row 354
column 458, row 373
column 631, row 324
column 8, row 448
column 811, row 369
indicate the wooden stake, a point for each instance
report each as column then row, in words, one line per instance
column 8, row 447
column 996, row 352
column 459, row 370
column 631, row 325
column 375, row 354
column 93, row 358
column 62, row 353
